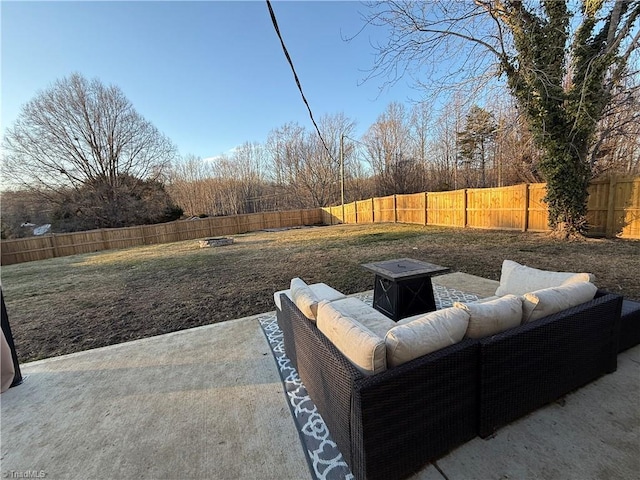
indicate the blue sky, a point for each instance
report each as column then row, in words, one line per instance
column 209, row 75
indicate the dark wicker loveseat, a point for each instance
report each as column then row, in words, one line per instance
column 527, row 367
column 391, row 424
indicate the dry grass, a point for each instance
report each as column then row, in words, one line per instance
column 75, row 303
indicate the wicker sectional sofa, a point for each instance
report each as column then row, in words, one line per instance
column 390, row 424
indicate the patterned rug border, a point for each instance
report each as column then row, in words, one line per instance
column 323, row 457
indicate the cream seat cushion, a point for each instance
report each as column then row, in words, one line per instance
column 364, row 314
column 428, row 333
column 363, row 348
column 519, row 279
column 548, row 301
column 492, row 317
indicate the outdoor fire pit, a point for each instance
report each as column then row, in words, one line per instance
column 215, row 242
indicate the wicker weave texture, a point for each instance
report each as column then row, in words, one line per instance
column 413, row 414
column 284, row 322
column 629, row 325
column 529, row 366
column 327, row 375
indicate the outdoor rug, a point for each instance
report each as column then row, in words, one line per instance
column 325, row 460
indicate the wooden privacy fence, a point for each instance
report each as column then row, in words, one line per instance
column 613, row 208
column 60, row 245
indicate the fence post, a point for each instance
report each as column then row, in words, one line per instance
column 104, row 241
column 395, row 209
column 143, row 235
column 355, row 210
column 424, row 210
column 464, row 208
column 525, row 219
column 374, row 210
column 611, row 208
column 54, row 245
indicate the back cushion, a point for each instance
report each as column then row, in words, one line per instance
column 363, row 348
column 519, row 279
column 492, row 317
column 304, row 298
column 426, row 334
column 548, row 301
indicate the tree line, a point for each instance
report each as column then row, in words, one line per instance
column 408, row 149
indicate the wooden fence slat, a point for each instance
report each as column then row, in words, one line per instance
column 611, row 208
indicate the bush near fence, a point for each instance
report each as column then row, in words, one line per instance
column 613, row 210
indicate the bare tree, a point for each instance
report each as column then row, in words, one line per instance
column 444, row 147
column 616, row 148
column 303, row 167
column 189, row 186
column 388, row 144
column 80, row 134
column 562, row 61
column 286, row 146
column 241, row 178
column 517, row 157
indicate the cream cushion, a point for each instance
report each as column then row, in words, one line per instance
column 321, row 290
column 304, row 298
column 492, row 317
column 364, row 314
column 519, row 279
column 363, row 348
column 547, row 301
column 426, row 334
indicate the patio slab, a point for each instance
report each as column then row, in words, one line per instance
column 483, row 287
column 208, row 403
column 201, row 403
column 593, row 433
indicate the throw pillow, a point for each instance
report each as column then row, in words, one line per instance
column 548, row 301
column 426, row 334
column 304, row 298
column 492, row 317
column 519, row 279
column 363, row 348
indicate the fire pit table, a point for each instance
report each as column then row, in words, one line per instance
column 403, row 287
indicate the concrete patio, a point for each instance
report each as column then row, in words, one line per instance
column 209, row 403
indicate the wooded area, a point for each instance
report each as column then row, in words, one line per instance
column 613, row 210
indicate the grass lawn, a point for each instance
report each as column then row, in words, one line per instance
column 70, row 304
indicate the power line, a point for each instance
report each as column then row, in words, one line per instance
column 295, row 76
